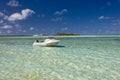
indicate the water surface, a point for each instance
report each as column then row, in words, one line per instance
column 75, row 58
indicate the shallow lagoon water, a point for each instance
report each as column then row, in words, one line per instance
column 75, row 58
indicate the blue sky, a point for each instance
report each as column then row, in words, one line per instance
column 64, row 16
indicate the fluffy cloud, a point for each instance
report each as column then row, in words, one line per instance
column 13, row 3
column 31, row 28
column 61, row 12
column 9, row 31
column 6, row 26
column 103, row 18
column 1, row 21
column 116, row 22
column 2, row 15
column 0, row 32
column 20, row 30
column 24, row 31
column 65, row 28
column 17, row 25
column 20, row 16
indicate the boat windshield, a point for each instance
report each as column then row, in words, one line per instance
column 51, row 38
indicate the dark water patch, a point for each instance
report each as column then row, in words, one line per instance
column 116, row 39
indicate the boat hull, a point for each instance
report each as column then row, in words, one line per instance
column 49, row 44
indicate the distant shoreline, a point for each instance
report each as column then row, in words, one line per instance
column 66, row 34
column 118, row 35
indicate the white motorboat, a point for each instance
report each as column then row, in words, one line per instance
column 47, row 42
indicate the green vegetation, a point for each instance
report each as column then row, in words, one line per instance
column 66, row 34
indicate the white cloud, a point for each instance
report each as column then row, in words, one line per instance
column 0, row 32
column 31, row 28
column 15, row 16
column 65, row 28
column 9, row 31
column 17, row 25
column 19, row 30
column 13, row 3
column 6, row 26
column 1, row 21
column 24, row 31
column 103, row 18
column 2, row 15
column 116, row 22
column 61, row 12
column 20, row 16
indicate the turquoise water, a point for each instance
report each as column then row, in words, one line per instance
column 75, row 58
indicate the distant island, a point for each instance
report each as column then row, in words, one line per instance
column 66, row 34
column 35, row 35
